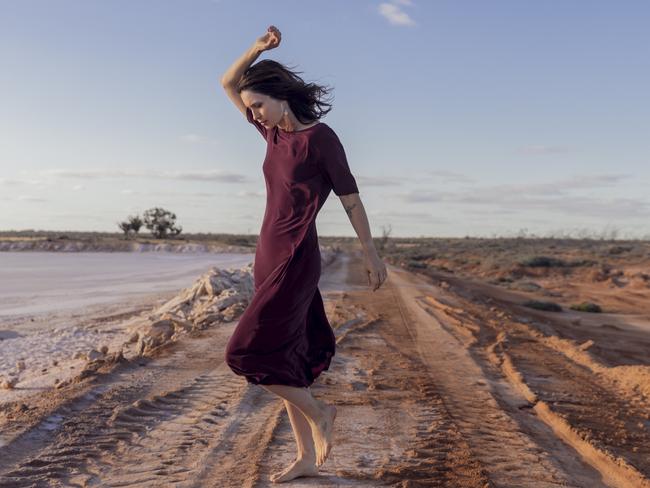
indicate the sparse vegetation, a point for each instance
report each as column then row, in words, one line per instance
column 125, row 227
column 506, row 261
column 161, row 222
column 587, row 307
column 541, row 305
column 417, row 264
column 548, row 262
column 619, row 249
column 135, row 222
column 385, row 234
column 419, row 255
column 39, row 239
column 131, row 226
column 543, row 262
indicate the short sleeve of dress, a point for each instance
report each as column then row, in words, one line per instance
column 261, row 129
column 334, row 164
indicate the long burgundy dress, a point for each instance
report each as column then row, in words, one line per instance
column 283, row 336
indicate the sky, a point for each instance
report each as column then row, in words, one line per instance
column 458, row 118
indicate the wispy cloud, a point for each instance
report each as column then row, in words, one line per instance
column 250, row 193
column 30, row 198
column 405, row 178
column 450, row 176
column 558, row 187
column 404, row 216
column 376, row 181
column 558, row 197
column 211, row 175
column 21, row 181
column 171, row 193
column 394, row 13
column 484, row 194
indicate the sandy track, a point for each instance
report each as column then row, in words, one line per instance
column 417, row 407
column 544, row 382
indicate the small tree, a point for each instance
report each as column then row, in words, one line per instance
column 125, row 227
column 130, row 226
column 385, row 233
column 135, row 222
column 161, row 222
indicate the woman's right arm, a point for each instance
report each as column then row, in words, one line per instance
column 231, row 77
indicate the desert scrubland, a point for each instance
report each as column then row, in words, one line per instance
column 480, row 362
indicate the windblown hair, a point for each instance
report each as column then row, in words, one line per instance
column 271, row 78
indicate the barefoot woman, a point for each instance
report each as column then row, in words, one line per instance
column 283, row 340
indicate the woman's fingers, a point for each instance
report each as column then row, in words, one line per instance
column 376, row 275
column 272, row 37
column 381, row 277
column 376, row 281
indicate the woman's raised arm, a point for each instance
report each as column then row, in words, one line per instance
column 270, row 39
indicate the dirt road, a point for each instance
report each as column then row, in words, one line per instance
column 432, row 390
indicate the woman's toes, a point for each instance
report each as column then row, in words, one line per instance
column 300, row 467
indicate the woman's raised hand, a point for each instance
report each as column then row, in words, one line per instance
column 270, row 39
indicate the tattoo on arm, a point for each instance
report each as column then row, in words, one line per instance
column 348, row 208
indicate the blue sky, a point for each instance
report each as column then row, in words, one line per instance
column 458, row 118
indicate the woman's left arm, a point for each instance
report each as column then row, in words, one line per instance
column 357, row 214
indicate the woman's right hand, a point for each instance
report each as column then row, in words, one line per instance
column 270, row 39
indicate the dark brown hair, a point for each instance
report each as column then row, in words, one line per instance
column 271, row 78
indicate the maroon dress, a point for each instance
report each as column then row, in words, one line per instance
column 283, row 337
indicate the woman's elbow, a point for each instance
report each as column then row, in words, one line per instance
column 350, row 198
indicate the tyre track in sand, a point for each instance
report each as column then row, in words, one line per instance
column 412, row 411
column 141, row 426
column 393, row 428
column 569, row 411
column 179, row 420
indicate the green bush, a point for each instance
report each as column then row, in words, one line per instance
column 419, row 255
column 546, row 306
column 543, row 262
column 548, row 262
column 587, row 307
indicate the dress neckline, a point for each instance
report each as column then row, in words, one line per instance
column 301, row 130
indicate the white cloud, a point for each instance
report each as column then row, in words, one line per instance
column 450, row 176
column 21, row 181
column 250, row 193
column 30, row 198
column 406, row 215
column 394, row 14
column 558, row 187
column 210, row 175
column 559, row 197
column 376, row 181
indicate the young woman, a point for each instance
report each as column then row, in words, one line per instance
column 283, row 340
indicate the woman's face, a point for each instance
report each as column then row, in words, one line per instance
column 267, row 110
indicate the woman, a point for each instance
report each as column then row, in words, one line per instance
column 283, row 340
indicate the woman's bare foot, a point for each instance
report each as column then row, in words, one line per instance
column 322, row 433
column 300, row 467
